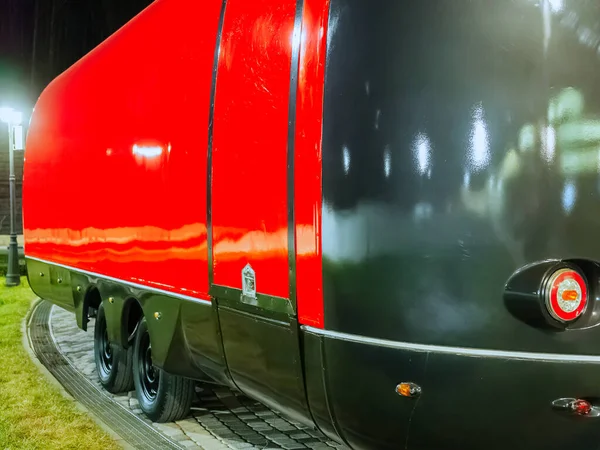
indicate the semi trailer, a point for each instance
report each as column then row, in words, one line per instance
column 377, row 217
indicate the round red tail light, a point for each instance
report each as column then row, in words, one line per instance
column 566, row 296
column 581, row 407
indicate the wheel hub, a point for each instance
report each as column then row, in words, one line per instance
column 105, row 352
column 149, row 375
column 107, row 348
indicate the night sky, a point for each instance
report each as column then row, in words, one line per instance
column 41, row 38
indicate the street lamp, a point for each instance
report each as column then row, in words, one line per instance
column 14, row 120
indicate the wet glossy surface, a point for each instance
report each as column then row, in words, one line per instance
column 460, row 144
column 263, row 358
column 249, row 178
column 115, row 158
column 466, row 403
column 307, row 163
column 250, row 201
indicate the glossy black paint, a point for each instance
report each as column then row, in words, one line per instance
column 467, row 403
column 492, row 403
column 263, row 357
column 460, row 147
column 200, row 336
column 254, row 349
column 460, row 164
column 460, row 144
column 315, row 370
column 277, row 308
column 357, row 372
column 83, row 299
column 185, row 340
column 51, row 282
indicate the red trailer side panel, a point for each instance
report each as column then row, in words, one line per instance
column 116, row 154
column 307, row 164
column 249, row 179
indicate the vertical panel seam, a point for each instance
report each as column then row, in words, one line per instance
column 328, row 400
column 294, row 72
column 213, row 90
column 209, row 240
column 321, row 181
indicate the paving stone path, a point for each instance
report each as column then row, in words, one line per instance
column 220, row 418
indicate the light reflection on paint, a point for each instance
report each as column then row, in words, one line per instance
column 422, row 211
column 297, row 38
column 547, row 20
column 556, row 5
column 467, row 179
column 479, row 151
column 387, row 162
column 549, row 144
column 303, row 53
column 527, row 138
column 569, row 196
column 147, row 151
column 422, row 151
column 346, row 157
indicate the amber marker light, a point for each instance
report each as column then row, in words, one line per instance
column 570, row 296
column 407, row 389
column 566, row 296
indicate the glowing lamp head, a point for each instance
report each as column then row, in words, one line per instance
column 566, row 297
column 10, row 116
column 6, row 114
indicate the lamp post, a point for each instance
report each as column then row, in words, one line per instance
column 13, row 119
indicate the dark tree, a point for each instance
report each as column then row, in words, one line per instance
column 41, row 38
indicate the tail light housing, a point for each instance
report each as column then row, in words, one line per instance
column 581, row 407
column 576, row 407
column 566, row 295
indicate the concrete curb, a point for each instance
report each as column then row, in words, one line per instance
column 54, row 382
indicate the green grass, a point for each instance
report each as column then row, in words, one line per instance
column 33, row 413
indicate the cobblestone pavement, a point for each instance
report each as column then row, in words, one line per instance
column 220, row 418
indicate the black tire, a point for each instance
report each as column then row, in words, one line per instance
column 114, row 365
column 162, row 397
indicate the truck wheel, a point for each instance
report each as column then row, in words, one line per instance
column 114, row 365
column 162, row 397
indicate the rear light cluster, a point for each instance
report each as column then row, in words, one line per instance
column 576, row 407
column 580, row 407
column 566, row 295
